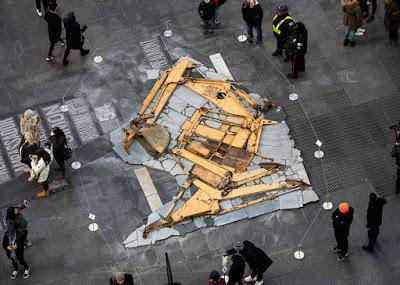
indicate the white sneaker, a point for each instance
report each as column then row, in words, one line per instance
column 26, row 273
column 259, row 282
column 361, row 30
column 249, row 279
column 14, row 274
column 50, row 58
column 39, row 13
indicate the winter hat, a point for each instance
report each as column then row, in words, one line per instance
column 238, row 246
column 214, row 276
column 373, row 197
column 283, row 8
column 343, row 208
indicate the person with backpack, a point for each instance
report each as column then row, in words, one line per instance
column 207, row 14
column 58, row 145
column 392, row 20
column 40, row 162
column 342, row 218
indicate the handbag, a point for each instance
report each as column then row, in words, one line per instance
column 67, row 153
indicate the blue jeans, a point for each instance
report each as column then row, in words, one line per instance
column 350, row 34
column 208, row 24
column 250, row 32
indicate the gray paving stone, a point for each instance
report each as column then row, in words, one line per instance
column 230, row 217
column 309, row 196
column 261, row 208
column 291, row 200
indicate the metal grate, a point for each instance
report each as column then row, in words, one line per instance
column 337, row 100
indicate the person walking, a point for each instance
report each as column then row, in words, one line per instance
column 282, row 25
column 14, row 247
column 207, row 14
column 352, row 19
column 392, row 20
column 367, row 15
column 252, row 14
column 255, row 257
column 41, row 161
column 215, row 279
column 54, row 28
column 39, row 8
column 374, row 219
column 296, row 49
column 74, row 36
column 121, row 278
column 396, row 153
column 58, row 145
column 218, row 4
column 341, row 221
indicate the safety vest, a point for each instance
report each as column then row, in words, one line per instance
column 275, row 29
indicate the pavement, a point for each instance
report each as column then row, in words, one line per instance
column 348, row 99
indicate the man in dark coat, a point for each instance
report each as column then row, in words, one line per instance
column 207, row 14
column 54, row 27
column 252, row 15
column 74, row 36
column 121, row 279
column 282, row 25
column 236, row 271
column 374, row 219
column 255, row 257
column 396, row 153
column 296, row 48
column 341, row 221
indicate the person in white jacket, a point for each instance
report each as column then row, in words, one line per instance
column 40, row 162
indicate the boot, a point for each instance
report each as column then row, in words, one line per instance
column 346, row 42
column 85, row 52
column 42, row 194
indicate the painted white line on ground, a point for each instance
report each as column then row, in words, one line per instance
column 220, row 65
column 150, row 192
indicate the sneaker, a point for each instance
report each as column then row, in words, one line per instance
column 335, row 249
column 346, row 42
column 14, row 274
column 352, row 44
column 26, row 273
column 361, row 30
column 368, row 248
column 28, row 243
column 50, row 58
column 342, row 257
column 259, row 282
column 249, row 279
column 42, row 194
column 85, row 52
column 39, row 13
column 216, row 22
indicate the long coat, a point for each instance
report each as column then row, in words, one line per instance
column 390, row 7
column 73, row 31
column 374, row 212
column 54, row 26
column 352, row 17
column 42, row 169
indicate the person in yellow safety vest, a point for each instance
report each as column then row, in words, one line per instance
column 282, row 25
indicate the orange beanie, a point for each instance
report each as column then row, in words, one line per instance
column 343, row 208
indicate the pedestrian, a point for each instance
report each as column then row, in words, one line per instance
column 341, row 221
column 40, row 170
column 216, row 279
column 252, row 15
column 14, row 247
column 218, row 4
column 236, row 270
column 282, row 25
column 16, row 220
column 374, row 219
column 207, row 15
column 296, row 49
column 392, row 20
column 27, row 147
column 74, row 36
column 58, row 145
column 255, row 257
column 30, row 122
column 396, row 153
column 368, row 16
column 39, row 8
column 352, row 19
column 121, row 278
column 54, row 28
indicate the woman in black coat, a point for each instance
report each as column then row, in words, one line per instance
column 57, row 143
column 74, row 36
column 54, row 27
